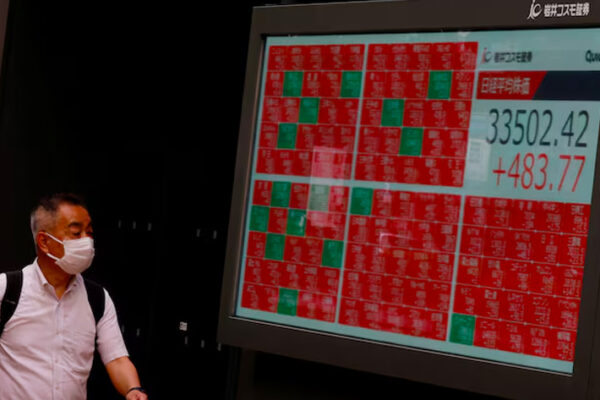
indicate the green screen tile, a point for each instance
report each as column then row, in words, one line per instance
column 361, row 201
column 292, row 83
column 288, row 301
column 259, row 218
column 275, row 246
column 332, row 253
column 411, row 141
column 319, row 198
column 280, row 195
column 393, row 111
column 296, row 223
column 309, row 110
column 351, row 81
column 286, row 138
column 439, row 84
column 462, row 329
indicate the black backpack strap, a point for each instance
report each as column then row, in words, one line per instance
column 96, row 298
column 14, row 284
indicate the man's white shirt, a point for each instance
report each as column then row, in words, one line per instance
column 47, row 348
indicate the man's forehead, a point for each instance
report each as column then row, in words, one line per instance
column 70, row 213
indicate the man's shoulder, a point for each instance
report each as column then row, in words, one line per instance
column 29, row 269
column 88, row 281
column 4, row 278
column 96, row 295
column 92, row 286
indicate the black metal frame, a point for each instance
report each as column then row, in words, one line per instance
column 421, row 365
column 3, row 22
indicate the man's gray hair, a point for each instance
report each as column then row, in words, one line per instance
column 43, row 215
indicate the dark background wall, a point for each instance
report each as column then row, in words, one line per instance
column 136, row 106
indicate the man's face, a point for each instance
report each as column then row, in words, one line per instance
column 72, row 222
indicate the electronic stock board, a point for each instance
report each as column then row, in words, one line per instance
column 415, row 192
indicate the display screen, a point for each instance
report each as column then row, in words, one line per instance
column 430, row 190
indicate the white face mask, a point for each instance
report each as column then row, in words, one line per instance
column 78, row 257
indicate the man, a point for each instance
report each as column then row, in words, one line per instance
column 47, row 347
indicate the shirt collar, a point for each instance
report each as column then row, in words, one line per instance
column 39, row 274
column 44, row 282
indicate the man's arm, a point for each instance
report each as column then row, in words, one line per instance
column 124, row 376
column 114, row 355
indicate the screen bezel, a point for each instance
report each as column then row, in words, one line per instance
column 411, row 363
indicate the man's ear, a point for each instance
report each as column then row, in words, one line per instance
column 42, row 241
